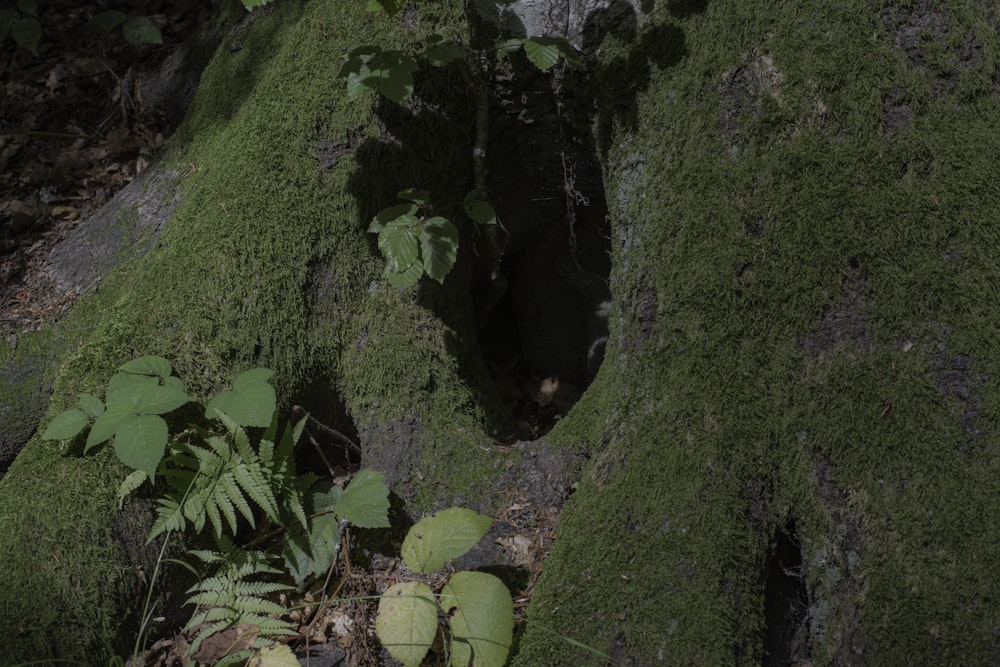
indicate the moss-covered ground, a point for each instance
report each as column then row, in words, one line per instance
column 804, row 334
column 266, row 262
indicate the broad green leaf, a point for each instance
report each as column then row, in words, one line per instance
column 390, row 7
column 141, row 30
column 252, row 377
column 107, row 424
column 91, row 405
column 440, row 55
column 27, row 33
column 418, row 197
column 252, row 4
column 479, row 210
column 543, row 52
column 404, row 279
column 140, row 442
column 405, row 212
column 106, row 21
column 149, row 365
column 439, row 247
column 124, row 386
column 512, row 45
column 365, row 501
column 311, row 552
column 398, row 243
column 252, row 404
column 158, row 399
column 28, row 7
column 324, row 496
column 388, row 72
column 66, row 425
column 442, row 537
column 482, row 619
column 407, row 621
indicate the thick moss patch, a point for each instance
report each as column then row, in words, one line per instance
column 804, row 317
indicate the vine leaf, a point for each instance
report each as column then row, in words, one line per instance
column 390, row 73
column 365, row 501
column 251, row 402
column 544, row 52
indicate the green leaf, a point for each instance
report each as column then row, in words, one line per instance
column 311, row 552
column 388, row 72
column 276, row 655
column 124, row 386
column 158, row 399
column 543, row 52
column 482, row 619
column 479, row 210
column 251, row 4
column 141, row 30
column 28, row 7
column 27, row 33
column 439, row 247
column 440, row 55
column 251, row 402
column 106, row 21
column 441, row 537
column 418, row 197
column 398, row 243
column 512, row 45
column 66, row 425
column 91, row 405
column 134, row 480
column 407, row 278
column 407, row 621
column 107, row 424
column 365, row 501
column 390, row 7
column 407, row 212
column 140, row 442
column 149, row 365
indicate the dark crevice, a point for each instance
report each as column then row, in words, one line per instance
column 786, row 602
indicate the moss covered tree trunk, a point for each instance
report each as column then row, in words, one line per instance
column 792, row 443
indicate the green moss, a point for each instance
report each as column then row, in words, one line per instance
column 821, row 352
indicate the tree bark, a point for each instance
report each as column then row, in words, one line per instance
column 791, row 440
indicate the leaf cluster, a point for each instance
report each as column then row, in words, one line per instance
column 24, row 28
column 478, row 605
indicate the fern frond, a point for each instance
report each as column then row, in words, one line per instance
column 253, row 482
column 130, row 484
column 170, row 517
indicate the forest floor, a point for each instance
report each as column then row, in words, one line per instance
column 73, row 132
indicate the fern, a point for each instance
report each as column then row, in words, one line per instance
column 230, row 598
column 219, row 481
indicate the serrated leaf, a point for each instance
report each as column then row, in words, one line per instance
column 106, row 21
column 365, row 501
column 311, row 552
column 442, row 537
column 404, row 279
column 418, row 197
column 440, row 55
column 91, row 405
column 407, row 621
column 141, row 30
column 140, row 442
column 107, row 424
column 439, row 247
column 27, row 32
column 149, row 365
column 398, row 244
column 66, row 425
column 543, row 52
column 482, row 619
